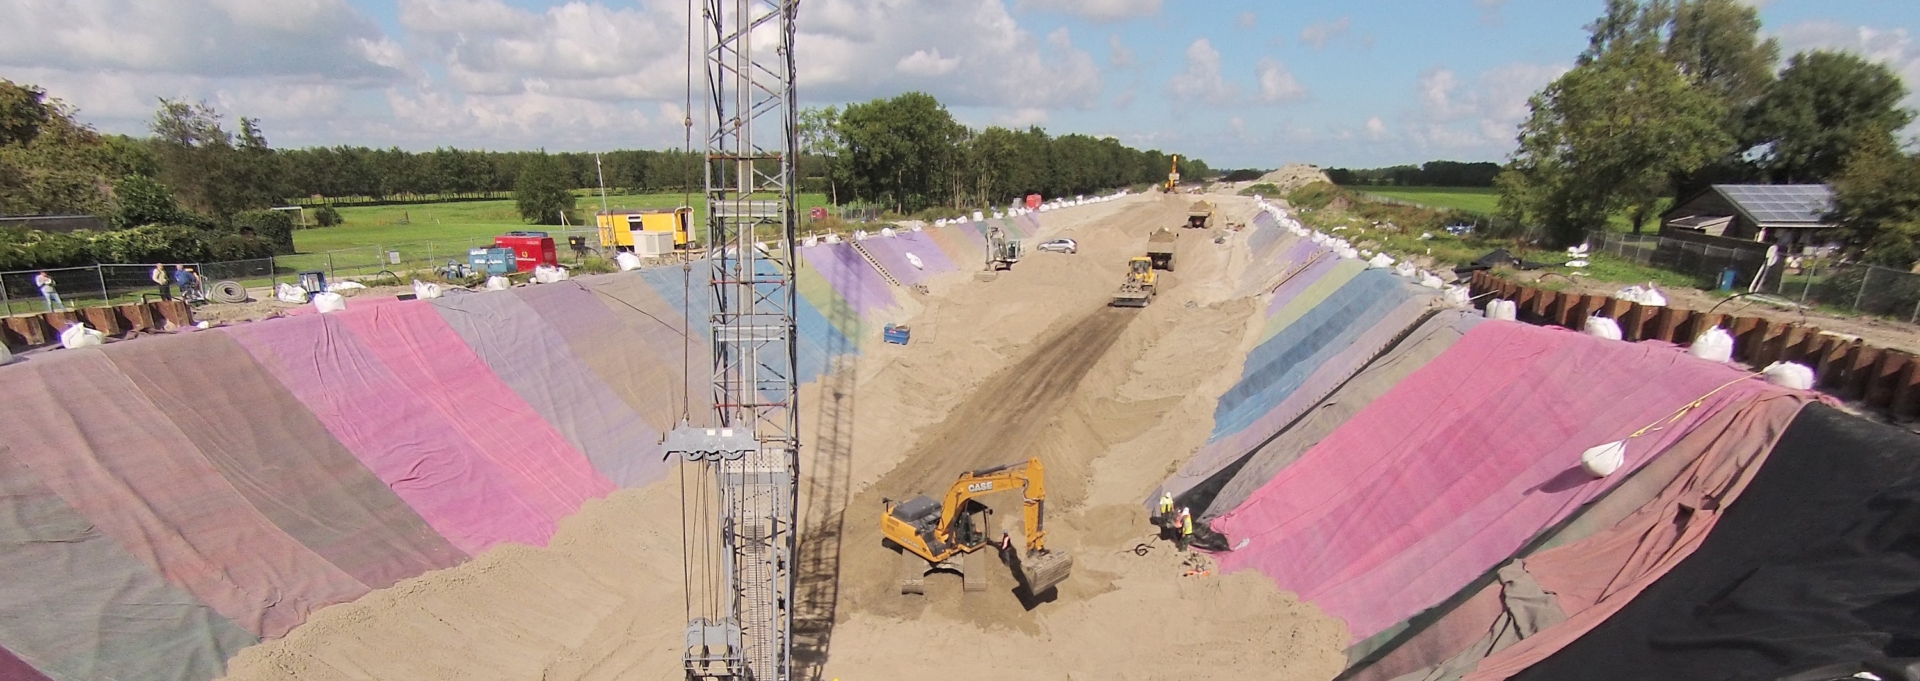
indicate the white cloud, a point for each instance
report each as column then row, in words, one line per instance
column 1319, row 34
column 1894, row 47
column 1202, row 82
column 1277, row 85
column 1482, row 116
column 224, row 38
column 924, row 63
column 1022, row 118
column 1247, row 20
column 1125, row 98
column 1118, row 56
column 1097, row 10
column 1376, row 128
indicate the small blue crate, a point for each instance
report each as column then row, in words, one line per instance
column 895, row 334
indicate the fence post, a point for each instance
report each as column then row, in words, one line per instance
column 1809, row 274
column 100, row 274
column 1864, row 278
column 4, row 299
column 330, row 274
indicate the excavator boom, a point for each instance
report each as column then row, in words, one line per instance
column 935, row 534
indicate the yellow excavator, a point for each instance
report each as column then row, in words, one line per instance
column 949, row 535
column 1173, row 176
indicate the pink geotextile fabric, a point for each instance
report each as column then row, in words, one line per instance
column 1451, row 472
column 114, row 456
column 403, row 438
column 353, row 303
column 428, row 356
column 1593, row 579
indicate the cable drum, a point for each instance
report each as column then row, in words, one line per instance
column 227, row 291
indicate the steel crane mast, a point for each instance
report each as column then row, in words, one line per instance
column 739, row 474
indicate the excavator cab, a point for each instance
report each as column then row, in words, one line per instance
column 949, row 535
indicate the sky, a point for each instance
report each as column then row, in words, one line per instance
column 1364, row 83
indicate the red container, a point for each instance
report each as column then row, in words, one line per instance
column 529, row 251
column 1033, row 202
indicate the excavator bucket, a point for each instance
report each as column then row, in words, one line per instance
column 1046, row 570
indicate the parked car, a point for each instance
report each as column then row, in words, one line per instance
column 1059, row 246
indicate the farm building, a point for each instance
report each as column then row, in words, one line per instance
column 1791, row 215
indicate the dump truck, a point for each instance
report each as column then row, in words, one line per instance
column 948, row 534
column 1138, row 290
column 1160, row 248
column 1200, row 215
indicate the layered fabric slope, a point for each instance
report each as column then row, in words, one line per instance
column 1813, row 566
column 1457, row 467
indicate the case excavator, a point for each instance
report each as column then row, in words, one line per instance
column 949, row 535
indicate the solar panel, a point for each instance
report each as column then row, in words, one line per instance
column 1780, row 203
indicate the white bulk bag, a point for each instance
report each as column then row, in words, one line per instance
column 915, row 261
column 6, row 356
column 498, row 283
column 1602, row 327
column 1506, row 310
column 1406, row 269
column 80, row 336
column 288, row 293
column 425, row 290
column 1716, row 345
column 1456, row 295
column 1381, row 261
column 1789, row 375
column 329, row 302
column 628, row 262
column 1432, row 282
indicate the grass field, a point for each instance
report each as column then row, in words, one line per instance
column 1483, row 200
column 1470, row 199
column 370, row 226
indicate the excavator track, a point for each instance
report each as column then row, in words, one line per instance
column 913, row 573
column 973, row 573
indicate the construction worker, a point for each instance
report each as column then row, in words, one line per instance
column 1186, row 528
column 1006, row 548
column 1164, row 518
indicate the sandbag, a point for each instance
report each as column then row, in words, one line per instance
column 81, row 336
column 1503, row 309
column 6, row 356
column 1716, row 345
column 425, row 290
column 628, row 262
column 1603, row 460
column 288, row 293
column 1457, row 296
column 1789, row 375
column 1406, row 269
column 339, row 286
column 915, row 261
column 329, row 302
column 1602, row 327
column 498, row 283
column 1380, row 261
column 546, row 274
column 1432, row 281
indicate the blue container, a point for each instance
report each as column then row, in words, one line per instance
column 896, row 335
column 1727, row 278
column 492, row 261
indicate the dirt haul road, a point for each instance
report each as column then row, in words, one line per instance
column 1032, row 364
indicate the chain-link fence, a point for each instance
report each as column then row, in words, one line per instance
column 1711, row 265
column 1813, row 279
column 73, row 287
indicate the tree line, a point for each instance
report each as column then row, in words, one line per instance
column 1671, row 96
column 1429, row 174
column 908, row 153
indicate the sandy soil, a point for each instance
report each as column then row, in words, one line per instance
column 1032, row 363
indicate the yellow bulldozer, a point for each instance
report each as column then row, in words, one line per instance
column 949, row 535
column 1138, row 290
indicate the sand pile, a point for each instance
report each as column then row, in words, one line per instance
column 1031, row 364
column 1294, row 176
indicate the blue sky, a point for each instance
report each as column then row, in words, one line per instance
column 1241, row 84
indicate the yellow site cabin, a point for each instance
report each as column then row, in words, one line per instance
column 617, row 227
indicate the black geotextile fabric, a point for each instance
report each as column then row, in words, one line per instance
column 1817, row 564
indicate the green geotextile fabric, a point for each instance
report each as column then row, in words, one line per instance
column 78, row 607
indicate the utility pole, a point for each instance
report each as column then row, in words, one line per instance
column 739, row 474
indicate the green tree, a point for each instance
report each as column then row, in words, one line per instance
column 23, row 110
column 898, row 150
column 1610, row 135
column 1822, row 106
column 1877, row 201
column 543, row 191
column 50, row 162
column 143, row 200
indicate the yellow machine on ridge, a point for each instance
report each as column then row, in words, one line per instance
column 617, row 227
column 948, row 535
